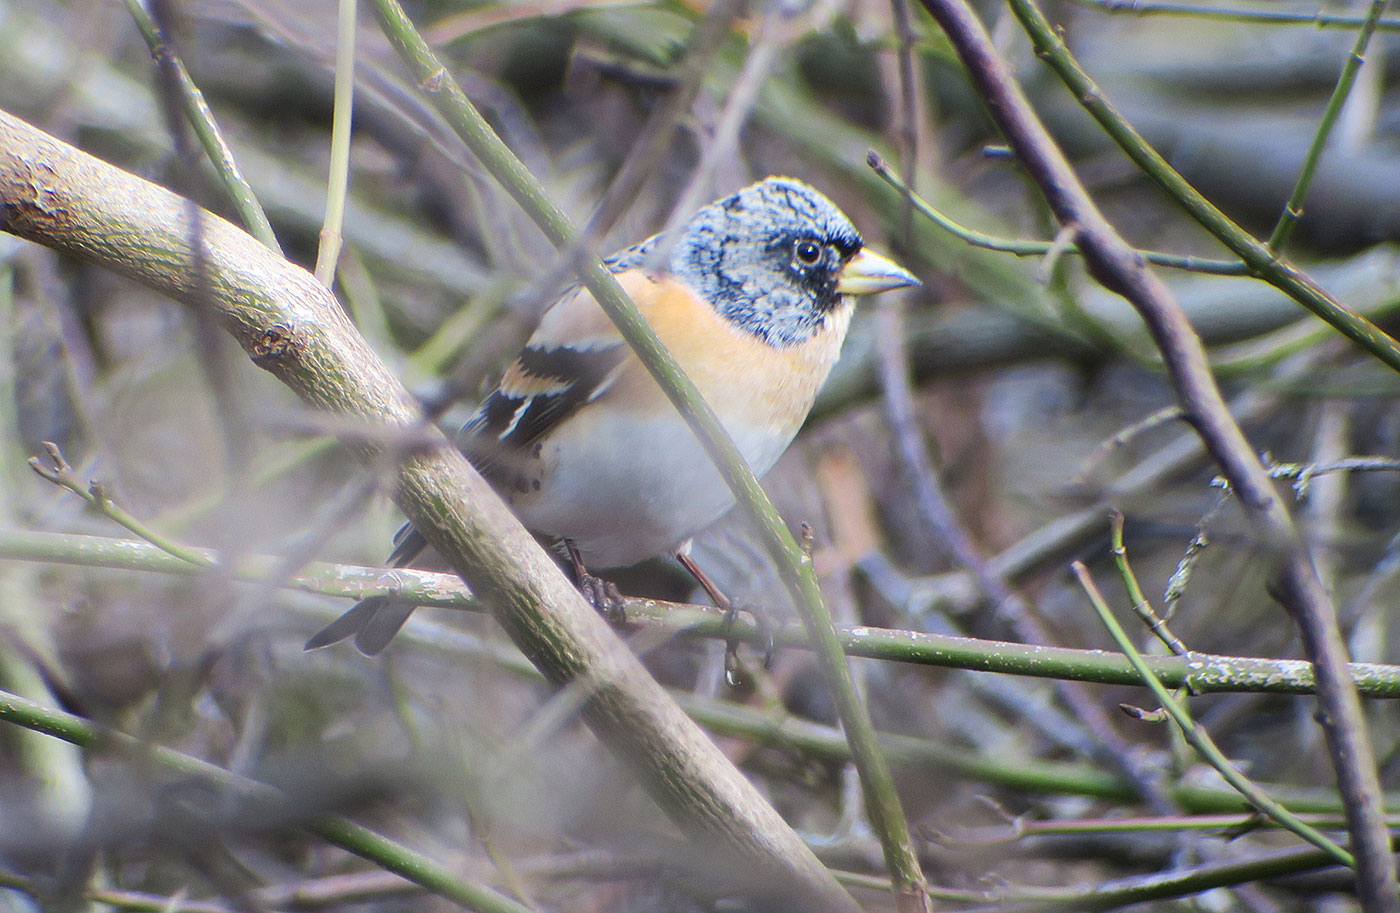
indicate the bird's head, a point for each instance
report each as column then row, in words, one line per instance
column 778, row 258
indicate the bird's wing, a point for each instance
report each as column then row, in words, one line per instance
column 573, row 356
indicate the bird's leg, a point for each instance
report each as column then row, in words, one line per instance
column 602, row 594
column 731, row 615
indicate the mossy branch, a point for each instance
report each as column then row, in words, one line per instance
column 793, row 566
column 1203, row 673
column 290, row 325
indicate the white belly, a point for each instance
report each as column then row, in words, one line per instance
column 625, row 487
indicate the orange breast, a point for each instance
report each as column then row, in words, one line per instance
column 743, row 378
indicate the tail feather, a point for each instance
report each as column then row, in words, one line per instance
column 408, row 543
column 380, row 627
column 346, row 625
column 373, row 622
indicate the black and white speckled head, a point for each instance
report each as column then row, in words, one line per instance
column 769, row 258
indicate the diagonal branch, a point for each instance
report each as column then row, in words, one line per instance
column 1261, row 258
column 1293, row 579
column 292, row 326
column 794, row 567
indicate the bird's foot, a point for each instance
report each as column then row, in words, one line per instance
column 605, row 598
column 731, row 618
column 732, row 665
column 603, row 595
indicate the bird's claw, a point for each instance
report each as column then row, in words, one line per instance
column 732, row 640
column 605, row 598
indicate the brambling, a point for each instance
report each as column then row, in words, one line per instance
column 754, row 301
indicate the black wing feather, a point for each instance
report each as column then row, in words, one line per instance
column 497, row 432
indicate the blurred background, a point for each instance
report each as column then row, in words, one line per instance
column 963, row 452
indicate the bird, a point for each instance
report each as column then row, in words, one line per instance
column 753, row 295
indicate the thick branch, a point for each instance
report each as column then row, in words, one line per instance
column 293, row 327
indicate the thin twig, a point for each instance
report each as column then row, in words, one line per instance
column 1141, row 605
column 201, row 118
column 1113, row 263
column 338, row 183
column 1293, row 209
column 1038, row 248
column 59, row 472
column 1197, row 736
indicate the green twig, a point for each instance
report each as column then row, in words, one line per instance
column 937, row 757
column 1198, row 737
column 1264, row 15
column 1141, row 605
column 1234, row 824
column 201, row 119
column 1261, row 260
column 61, row 474
column 1293, row 209
column 1178, row 884
column 1203, row 673
column 796, row 571
column 1156, row 623
column 337, row 185
column 1126, row 892
column 1038, row 248
column 419, row 869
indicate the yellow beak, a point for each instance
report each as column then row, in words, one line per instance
column 868, row 272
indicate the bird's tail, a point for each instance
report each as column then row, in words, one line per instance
column 373, row 622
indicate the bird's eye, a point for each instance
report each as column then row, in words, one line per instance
column 808, row 252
